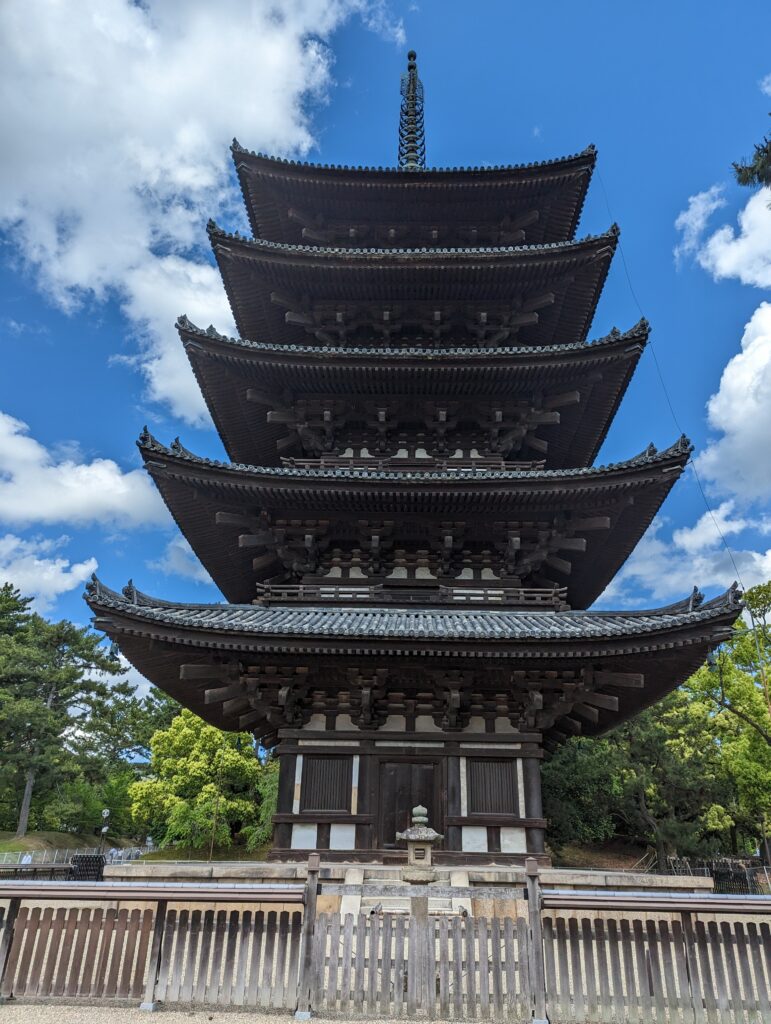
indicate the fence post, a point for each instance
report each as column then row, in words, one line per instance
column 535, row 953
column 304, row 1008
column 6, row 937
column 156, row 951
column 422, row 960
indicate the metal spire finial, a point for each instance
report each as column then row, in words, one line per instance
column 412, row 140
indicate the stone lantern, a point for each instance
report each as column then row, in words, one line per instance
column 420, row 838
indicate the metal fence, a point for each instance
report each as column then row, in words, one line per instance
column 112, row 855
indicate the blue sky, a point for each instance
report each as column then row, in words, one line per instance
column 116, row 120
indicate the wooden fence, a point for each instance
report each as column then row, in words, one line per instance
column 599, row 958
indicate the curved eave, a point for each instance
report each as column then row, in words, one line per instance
column 557, row 188
column 253, row 269
column 665, row 646
column 226, row 367
column 195, row 490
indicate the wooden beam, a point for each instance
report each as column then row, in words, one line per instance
column 601, row 700
column 190, row 673
column 222, row 693
column 627, row 680
column 589, row 714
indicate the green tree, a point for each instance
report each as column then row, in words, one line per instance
column 582, row 791
column 757, row 170
column 51, row 674
column 204, row 786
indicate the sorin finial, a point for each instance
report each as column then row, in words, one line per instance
column 412, row 140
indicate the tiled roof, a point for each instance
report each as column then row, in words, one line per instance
column 149, row 444
column 411, row 623
column 238, row 150
column 429, row 253
column 638, row 333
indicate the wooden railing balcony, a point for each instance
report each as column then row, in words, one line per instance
column 551, row 599
column 412, row 465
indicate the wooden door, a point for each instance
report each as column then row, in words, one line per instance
column 404, row 785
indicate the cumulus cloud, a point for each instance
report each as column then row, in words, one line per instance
column 666, row 569
column 116, row 119
column 29, row 565
column 692, row 221
column 179, row 559
column 737, row 462
column 765, row 85
column 38, row 486
column 744, row 254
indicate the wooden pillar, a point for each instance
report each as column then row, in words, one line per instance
column 304, row 1008
column 535, row 951
column 533, row 803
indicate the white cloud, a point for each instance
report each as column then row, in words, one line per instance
column 38, row 486
column 765, row 85
column 116, row 119
column 179, row 560
column 739, row 461
column 668, row 569
column 43, row 578
column 744, row 254
column 692, row 221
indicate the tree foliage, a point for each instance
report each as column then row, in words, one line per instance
column 205, row 787
column 691, row 775
column 757, row 170
column 72, row 730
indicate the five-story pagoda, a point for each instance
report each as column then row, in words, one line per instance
column 411, row 525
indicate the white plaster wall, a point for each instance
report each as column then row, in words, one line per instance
column 304, row 837
column 474, row 839
column 342, row 837
column 513, row 840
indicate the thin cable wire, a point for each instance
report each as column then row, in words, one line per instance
column 668, row 398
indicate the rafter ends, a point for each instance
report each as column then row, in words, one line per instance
column 627, row 680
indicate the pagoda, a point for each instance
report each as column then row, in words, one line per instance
column 410, row 526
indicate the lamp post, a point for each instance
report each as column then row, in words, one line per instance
column 105, row 827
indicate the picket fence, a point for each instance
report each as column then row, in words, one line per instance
column 598, row 966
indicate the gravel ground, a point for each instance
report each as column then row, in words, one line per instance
column 48, row 1013
column 56, row 1013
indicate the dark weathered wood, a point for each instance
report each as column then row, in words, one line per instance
column 359, row 975
column 643, row 980
column 215, row 973
column 192, row 959
column 444, row 969
column 386, row 973
column 309, row 921
column 604, row 1001
column 372, row 961
column 589, row 962
column 176, row 961
column 413, row 968
column 86, row 987
column 129, row 951
column 81, row 934
column 347, row 957
column 119, row 934
column 267, row 958
column 705, row 970
column 484, row 966
column 156, row 952
column 755, row 938
column 331, row 986
column 36, row 984
column 295, row 939
column 258, row 933
column 400, row 966
column 630, row 981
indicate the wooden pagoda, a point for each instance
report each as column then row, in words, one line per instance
column 410, row 526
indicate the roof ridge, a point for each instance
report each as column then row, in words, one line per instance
column 218, row 234
column 237, row 148
column 638, row 332
column 681, row 449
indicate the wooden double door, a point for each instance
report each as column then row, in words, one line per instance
column 403, row 785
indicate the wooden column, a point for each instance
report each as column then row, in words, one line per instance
column 533, row 803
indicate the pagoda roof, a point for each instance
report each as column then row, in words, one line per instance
column 226, row 367
column 272, row 186
column 195, row 489
column 666, row 645
column 256, row 272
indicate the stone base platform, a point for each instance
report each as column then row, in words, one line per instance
column 376, row 888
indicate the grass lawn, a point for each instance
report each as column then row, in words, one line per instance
column 55, row 841
column 219, row 853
